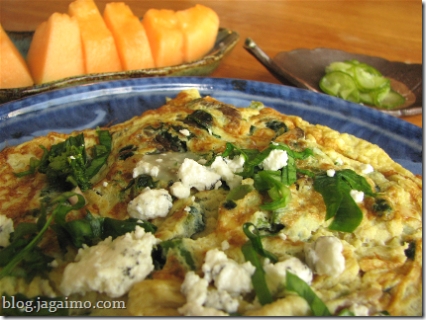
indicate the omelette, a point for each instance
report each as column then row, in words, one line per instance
column 200, row 208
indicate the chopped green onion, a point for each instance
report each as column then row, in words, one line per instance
column 258, row 278
column 294, row 283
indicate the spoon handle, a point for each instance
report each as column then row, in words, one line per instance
column 412, row 111
column 278, row 72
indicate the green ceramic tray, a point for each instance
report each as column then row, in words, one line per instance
column 225, row 42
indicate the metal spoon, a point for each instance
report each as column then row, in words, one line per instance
column 289, row 78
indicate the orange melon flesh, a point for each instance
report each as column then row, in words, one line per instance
column 14, row 72
column 200, row 26
column 130, row 36
column 99, row 50
column 165, row 37
column 55, row 51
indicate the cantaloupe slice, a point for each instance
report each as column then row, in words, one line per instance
column 130, row 36
column 14, row 72
column 165, row 37
column 200, row 26
column 55, row 51
column 99, row 50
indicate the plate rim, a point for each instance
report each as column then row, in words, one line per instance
column 13, row 109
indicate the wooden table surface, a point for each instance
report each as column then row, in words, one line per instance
column 388, row 29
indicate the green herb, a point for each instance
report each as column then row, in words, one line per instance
column 278, row 126
column 67, row 163
column 339, row 203
column 229, row 204
column 346, row 313
column 254, row 159
column 278, row 191
column 239, row 192
column 258, row 278
column 90, row 230
column 201, row 118
column 23, row 249
column 177, row 246
column 136, row 185
column 251, row 231
column 381, row 207
column 294, row 283
column 410, row 252
column 126, row 152
column 101, row 152
column 171, row 142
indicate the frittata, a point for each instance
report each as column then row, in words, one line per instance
column 202, row 208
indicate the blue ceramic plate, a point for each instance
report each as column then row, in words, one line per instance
column 107, row 103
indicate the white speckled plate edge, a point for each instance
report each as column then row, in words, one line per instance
column 112, row 102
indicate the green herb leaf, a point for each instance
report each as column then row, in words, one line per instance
column 294, row 283
column 258, row 278
column 277, row 190
column 66, row 163
column 201, row 118
column 339, row 203
column 90, row 230
column 23, row 249
column 100, row 153
column 251, row 231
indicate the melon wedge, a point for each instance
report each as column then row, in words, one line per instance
column 55, row 51
column 165, row 37
column 130, row 36
column 99, row 50
column 14, row 72
column 200, row 26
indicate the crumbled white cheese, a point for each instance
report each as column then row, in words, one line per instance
column 105, row 184
column 6, row 228
column 366, row 168
column 338, row 162
column 220, row 166
column 359, row 310
column 150, row 204
column 194, row 288
column 194, row 175
column 185, row 132
column 179, row 190
column 111, row 266
column 143, row 167
column 226, row 273
column 331, row 172
column 276, row 160
column 230, row 279
column 275, row 273
column 221, row 300
column 196, row 292
column 325, row 257
column 358, row 196
column 225, row 245
column 236, row 164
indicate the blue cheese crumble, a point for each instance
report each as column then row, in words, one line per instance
column 111, row 266
column 218, row 292
column 150, row 204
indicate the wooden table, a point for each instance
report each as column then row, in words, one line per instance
column 388, row 29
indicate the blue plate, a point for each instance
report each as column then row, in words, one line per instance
column 107, row 103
